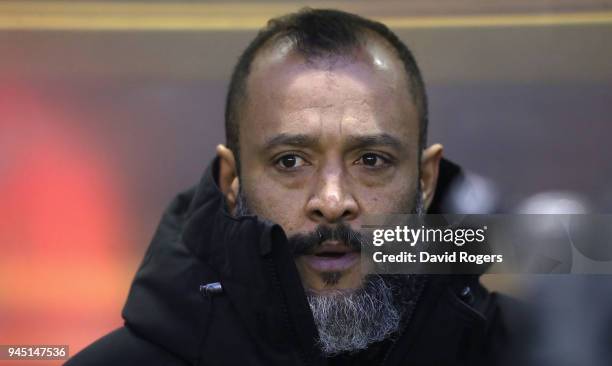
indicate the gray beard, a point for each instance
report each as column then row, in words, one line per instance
column 349, row 321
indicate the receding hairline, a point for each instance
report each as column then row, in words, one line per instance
column 329, row 60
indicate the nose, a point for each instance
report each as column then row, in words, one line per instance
column 332, row 201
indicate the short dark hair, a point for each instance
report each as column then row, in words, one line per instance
column 314, row 33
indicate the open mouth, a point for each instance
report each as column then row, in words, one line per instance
column 332, row 257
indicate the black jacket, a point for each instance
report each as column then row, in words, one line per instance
column 261, row 316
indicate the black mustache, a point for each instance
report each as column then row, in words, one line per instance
column 307, row 243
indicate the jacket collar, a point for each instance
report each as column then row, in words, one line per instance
column 198, row 241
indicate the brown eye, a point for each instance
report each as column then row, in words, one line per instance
column 289, row 161
column 370, row 159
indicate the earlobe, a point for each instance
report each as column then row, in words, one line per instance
column 228, row 180
column 430, row 167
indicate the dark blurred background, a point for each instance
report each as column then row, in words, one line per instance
column 108, row 108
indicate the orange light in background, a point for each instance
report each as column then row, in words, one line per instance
column 64, row 265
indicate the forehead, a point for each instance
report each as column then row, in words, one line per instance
column 365, row 90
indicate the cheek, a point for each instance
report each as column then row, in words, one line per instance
column 395, row 197
column 276, row 203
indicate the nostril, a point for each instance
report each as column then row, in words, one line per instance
column 318, row 214
column 347, row 214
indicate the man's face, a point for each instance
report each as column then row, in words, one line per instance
column 323, row 144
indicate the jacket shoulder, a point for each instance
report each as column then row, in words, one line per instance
column 123, row 347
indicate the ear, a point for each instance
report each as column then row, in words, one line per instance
column 430, row 167
column 228, row 179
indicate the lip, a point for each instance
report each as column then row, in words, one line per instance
column 342, row 262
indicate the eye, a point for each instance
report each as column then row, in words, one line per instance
column 289, row 161
column 372, row 160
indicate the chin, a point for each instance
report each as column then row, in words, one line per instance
column 330, row 282
column 325, row 281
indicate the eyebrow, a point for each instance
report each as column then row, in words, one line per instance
column 302, row 140
column 299, row 140
column 382, row 139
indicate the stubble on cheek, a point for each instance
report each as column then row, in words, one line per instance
column 275, row 204
column 398, row 201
